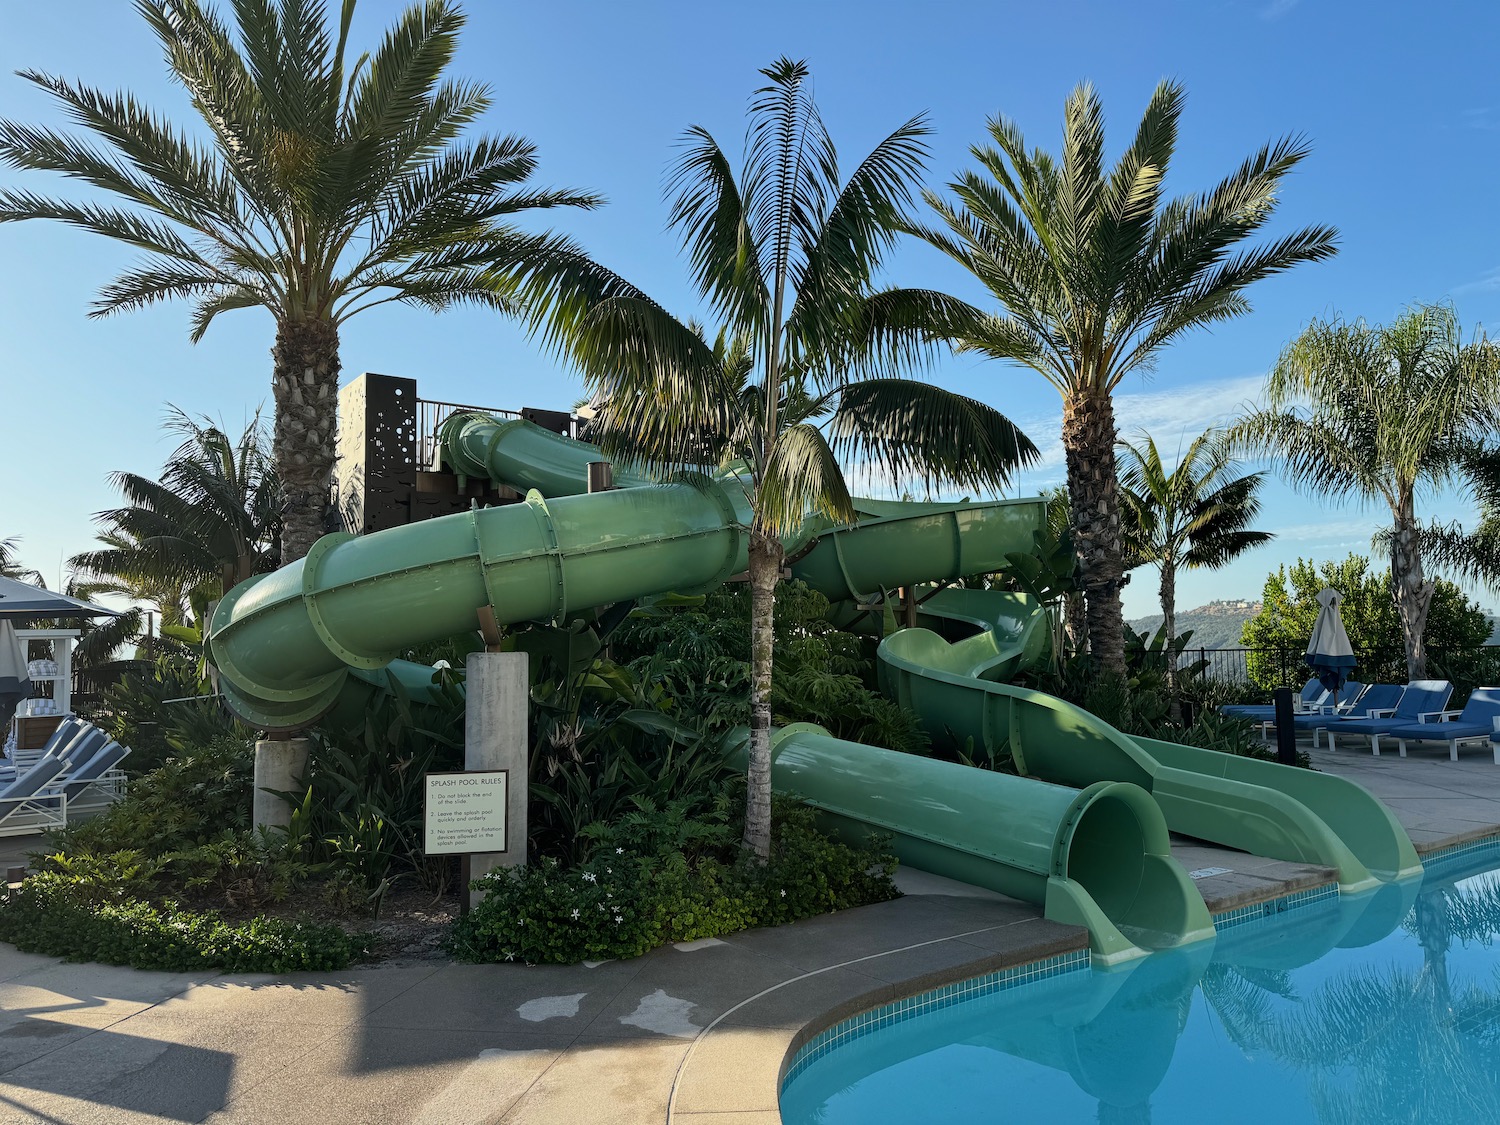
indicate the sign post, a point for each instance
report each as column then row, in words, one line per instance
column 495, row 742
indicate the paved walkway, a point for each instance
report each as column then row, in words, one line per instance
column 459, row 1043
column 1437, row 801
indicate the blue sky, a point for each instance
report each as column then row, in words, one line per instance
column 1399, row 102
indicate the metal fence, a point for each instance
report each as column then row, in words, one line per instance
column 431, row 415
column 1285, row 667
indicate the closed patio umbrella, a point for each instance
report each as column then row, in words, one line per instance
column 1329, row 653
column 15, row 684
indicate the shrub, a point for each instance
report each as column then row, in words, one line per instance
column 186, row 801
column 700, row 652
column 80, row 918
column 672, row 885
column 135, row 712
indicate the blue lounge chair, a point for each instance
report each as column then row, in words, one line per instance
column 83, row 746
column 1421, row 697
column 1374, row 701
column 22, row 810
column 82, row 788
column 1348, row 697
column 1312, row 696
column 1475, row 723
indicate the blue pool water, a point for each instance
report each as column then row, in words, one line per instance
column 1372, row 1010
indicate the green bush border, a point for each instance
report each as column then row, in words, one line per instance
column 62, row 917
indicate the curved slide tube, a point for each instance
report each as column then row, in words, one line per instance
column 284, row 643
column 1255, row 806
column 1098, row 857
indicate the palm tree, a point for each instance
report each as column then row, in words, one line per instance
column 1365, row 412
column 1472, row 553
column 1196, row 516
column 800, row 374
column 209, row 523
column 1096, row 273
column 11, row 565
column 325, row 190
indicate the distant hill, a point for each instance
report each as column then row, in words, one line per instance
column 1215, row 625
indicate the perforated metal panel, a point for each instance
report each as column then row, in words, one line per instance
column 377, row 479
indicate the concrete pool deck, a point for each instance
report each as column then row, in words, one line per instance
column 692, row 1035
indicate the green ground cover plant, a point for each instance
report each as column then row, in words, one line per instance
column 93, row 914
column 660, row 875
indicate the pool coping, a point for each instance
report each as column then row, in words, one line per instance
column 734, row 1070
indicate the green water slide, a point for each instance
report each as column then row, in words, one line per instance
column 322, row 632
column 1261, row 807
column 953, row 672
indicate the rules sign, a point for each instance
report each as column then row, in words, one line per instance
column 465, row 812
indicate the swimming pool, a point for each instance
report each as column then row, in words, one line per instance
column 1367, row 1011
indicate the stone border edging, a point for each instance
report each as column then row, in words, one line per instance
column 756, row 1082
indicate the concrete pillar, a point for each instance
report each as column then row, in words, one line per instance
column 279, row 767
column 496, row 737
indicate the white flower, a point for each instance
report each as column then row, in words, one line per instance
column 510, row 955
column 783, row 894
column 618, row 919
column 619, row 851
column 575, row 914
column 590, row 877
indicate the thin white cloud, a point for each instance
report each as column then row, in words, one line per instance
column 1278, row 8
column 1485, row 118
column 1333, row 532
column 1486, row 283
column 1173, row 417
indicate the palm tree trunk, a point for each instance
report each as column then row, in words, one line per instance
column 765, row 569
column 1412, row 590
column 1089, row 435
column 1169, row 630
column 305, row 386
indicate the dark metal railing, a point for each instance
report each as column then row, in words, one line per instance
column 430, row 417
column 1285, row 667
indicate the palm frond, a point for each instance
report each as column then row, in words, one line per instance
column 802, row 475
column 911, row 430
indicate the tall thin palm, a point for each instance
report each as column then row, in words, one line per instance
column 1197, row 516
column 324, row 190
column 1368, row 412
column 1097, row 272
column 784, row 253
column 210, row 522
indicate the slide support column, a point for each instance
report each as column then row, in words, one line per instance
column 496, row 737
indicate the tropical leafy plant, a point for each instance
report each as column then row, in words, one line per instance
column 801, row 373
column 1376, row 413
column 1096, row 272
column 1196, row 516
column 324, row 190
column 212, row 520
